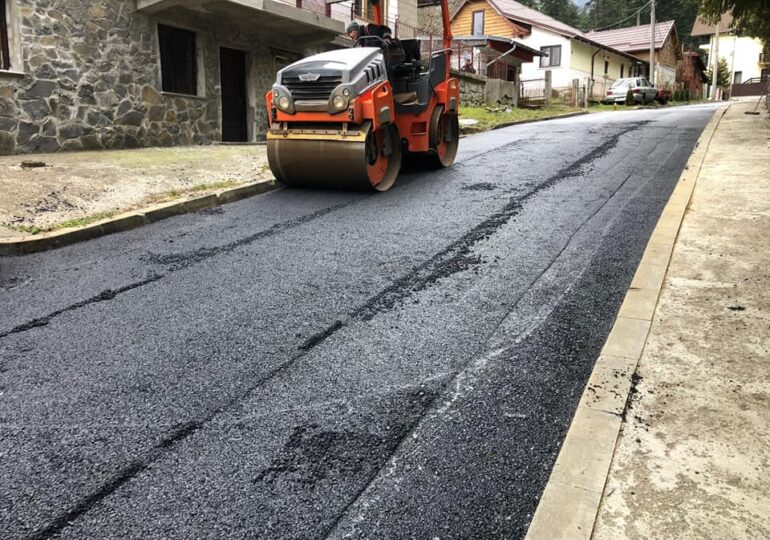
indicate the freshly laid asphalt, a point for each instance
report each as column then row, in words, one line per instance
column 328, row 364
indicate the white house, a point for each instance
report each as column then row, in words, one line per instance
column 744, row 55
column 571, row 54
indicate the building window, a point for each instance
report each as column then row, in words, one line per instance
column 363, row 9
column 478, row 23
column 738, row 77
column 621, row 70
column 606, row 67
column 5, row 40
column 554, row 56
column 178, row 60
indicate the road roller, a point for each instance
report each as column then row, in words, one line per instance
column 346, row 119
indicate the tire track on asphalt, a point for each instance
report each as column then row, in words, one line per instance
column 441, row 391
column 458, row 257
column 175, row 263
column 452, row 256
column 442, row 400
column 455, row 258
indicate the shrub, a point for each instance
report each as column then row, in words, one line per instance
column 629, row 97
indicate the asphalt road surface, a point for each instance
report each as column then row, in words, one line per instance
column 331, row 365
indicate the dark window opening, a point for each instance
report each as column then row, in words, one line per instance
column 232, row 68
column 554, row 56
column 478, row 23
column 178, row 60
column 5, row 46
column 363, row 9
column 621, row 70
column 606, row 67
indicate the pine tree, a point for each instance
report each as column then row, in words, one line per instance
column 723, row 74
column 561, row 10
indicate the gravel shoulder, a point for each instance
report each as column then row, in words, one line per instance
column 71, row 187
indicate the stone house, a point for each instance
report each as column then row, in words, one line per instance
column 104, row 74
column 635, row 40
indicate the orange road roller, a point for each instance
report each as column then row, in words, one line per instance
column 345, row 119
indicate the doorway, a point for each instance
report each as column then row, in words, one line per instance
column 232, row 72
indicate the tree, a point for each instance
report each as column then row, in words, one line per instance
column 683, row 12
column 750, row 17
column 604, row 13
column 561, row 10
column 723, row 74
column 621, row 14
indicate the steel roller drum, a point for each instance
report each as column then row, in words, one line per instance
column 329, row 160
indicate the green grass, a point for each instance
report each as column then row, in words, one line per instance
column 26, row 229
column 197, row 188
column 70, row 223
column 490, row 118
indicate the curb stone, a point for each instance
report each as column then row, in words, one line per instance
column 570, row 502
column 130, row 220
column 533, row 120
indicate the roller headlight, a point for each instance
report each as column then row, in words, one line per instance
column 339, row 103
column 284, row 103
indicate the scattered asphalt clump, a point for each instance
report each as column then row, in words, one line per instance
column 481, row 186
column 633, row 393
column 29, row 164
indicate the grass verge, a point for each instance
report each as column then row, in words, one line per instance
column 488, row 119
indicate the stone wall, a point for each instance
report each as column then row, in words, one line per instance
column 471, row 88
column 91, row 80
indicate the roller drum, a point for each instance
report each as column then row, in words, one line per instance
column 335, row 163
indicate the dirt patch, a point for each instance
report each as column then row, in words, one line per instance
column 67, row 187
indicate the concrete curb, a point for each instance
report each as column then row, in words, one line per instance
column 570, row 502
column 517, row 122
column 130, row 220
column 533, row 120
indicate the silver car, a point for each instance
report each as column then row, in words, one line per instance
column 642, row 89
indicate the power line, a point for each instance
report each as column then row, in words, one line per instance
column 623, row 20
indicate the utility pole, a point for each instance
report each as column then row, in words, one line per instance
column 715, row 69
column 652, row 42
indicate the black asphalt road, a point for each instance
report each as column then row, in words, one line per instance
column 310, row 364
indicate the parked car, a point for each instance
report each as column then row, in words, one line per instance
column 643, row 91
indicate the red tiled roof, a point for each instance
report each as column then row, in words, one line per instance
column 634, row 38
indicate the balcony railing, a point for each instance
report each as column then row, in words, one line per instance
column 764, row 58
